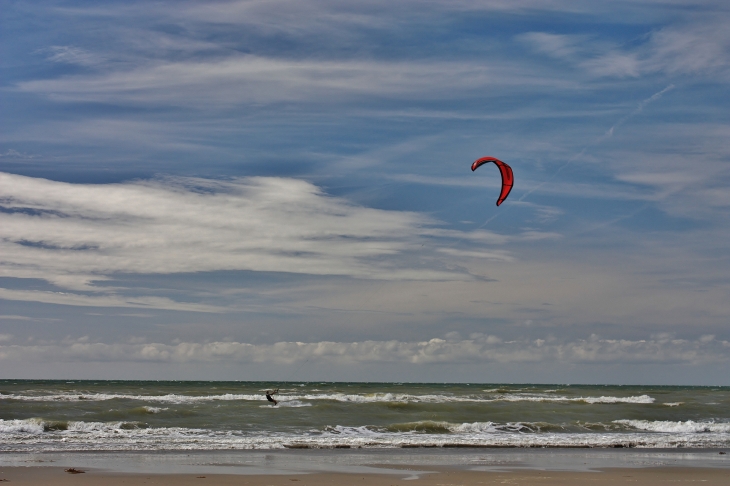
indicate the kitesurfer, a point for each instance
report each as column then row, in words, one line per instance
column 269, row 397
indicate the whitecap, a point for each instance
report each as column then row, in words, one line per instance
column 638, row 399
column 690, row 426
column 351, row 431
column 28, row 435
column 170, row 398
column 339, row 397
column 154, row 409
column 293, row 403
column 26, row 426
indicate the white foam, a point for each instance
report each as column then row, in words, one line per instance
column 475, row 428
column 667, row 426
column 640, row 399
column 94, row 427
column 673, row 404
column 154, row 409
column 170, row 398
column 31, row 435
column 521, row 397
column 28, row 426
column 353, row 431
column 340, row 397
column 293, row 403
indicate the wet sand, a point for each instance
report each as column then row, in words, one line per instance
column 37, row 476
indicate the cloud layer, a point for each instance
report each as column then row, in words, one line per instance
column 253, row 79
column 316, row 192
column 478, row 349
column 71, row 234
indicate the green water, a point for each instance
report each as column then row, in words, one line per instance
column 142, row 415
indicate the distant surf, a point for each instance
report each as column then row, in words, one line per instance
column 127, row 416
column 339, row 397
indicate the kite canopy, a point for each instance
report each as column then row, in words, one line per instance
column 506, row 171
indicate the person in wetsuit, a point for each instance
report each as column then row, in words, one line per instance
column 270, row 398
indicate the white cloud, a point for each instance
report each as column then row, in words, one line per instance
column 559, row 46
column 12, row 317
column 66, row 298
column 550, row 186
column 344, row 19
column 489, row 255
column 72, row 55
column 700, row 47
column 614, row 64
column 480, row 348
column 14, row 154
column 697, row 193
column 73, row 235
column 256, row 79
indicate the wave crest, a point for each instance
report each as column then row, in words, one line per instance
column 680, row 427
column 339, row 397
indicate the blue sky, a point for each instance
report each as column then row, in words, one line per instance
column 281, row 190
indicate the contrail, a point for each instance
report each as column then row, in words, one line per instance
column 608, row 134
column 639, row 108
column 615, row 220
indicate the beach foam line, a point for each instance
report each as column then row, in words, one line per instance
column 39, row 435
column 39, row 426
column 440, row 427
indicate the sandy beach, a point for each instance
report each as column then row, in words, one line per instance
column 544, row 467
column 442, row 477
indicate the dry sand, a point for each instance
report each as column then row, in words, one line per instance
column 675, row 476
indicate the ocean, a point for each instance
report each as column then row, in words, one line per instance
column 65, row 416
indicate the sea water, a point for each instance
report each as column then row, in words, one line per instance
column 65, row 416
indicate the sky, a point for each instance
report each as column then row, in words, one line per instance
column 281, row 190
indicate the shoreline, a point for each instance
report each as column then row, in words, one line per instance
column 368, row 461
column 651, row 476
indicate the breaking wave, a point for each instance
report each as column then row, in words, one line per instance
column 666, row 426
column 36, row 434
column 339, row 397
column 170, row 398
